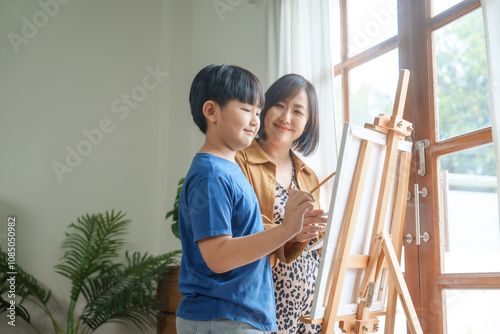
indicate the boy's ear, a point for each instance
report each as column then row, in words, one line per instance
column 210, row 111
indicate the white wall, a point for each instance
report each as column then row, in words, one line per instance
column 199, row 33
column 64, row 77
column 232, row 35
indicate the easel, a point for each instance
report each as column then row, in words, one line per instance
column 384, row 251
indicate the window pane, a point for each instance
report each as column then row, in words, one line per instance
column 469, row 211
column 439, row 6
column 372, row 88
column 471, row 311
column 462, row 99
column 376, row 22
column 335, row 30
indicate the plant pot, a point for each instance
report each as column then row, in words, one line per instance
column 168, row 293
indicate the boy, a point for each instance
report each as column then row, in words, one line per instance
column 225, row 276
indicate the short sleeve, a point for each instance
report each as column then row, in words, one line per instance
column 210, row 208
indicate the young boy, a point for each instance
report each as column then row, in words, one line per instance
column 225, row 276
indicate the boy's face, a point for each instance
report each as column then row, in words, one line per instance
column 237, row 124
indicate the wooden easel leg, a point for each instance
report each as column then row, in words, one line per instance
column 390, row 155
column 399, row 282
column 385, row 185
column 397, row 232
column 390, row 317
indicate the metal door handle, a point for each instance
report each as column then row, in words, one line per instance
column 424, row 192
column 426, row 236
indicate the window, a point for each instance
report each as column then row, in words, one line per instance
column 366, row 59
column 442, row 43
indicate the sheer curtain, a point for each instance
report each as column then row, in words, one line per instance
column 491, row 11
column 299, row 42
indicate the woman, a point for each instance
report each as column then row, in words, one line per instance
column 289, row 121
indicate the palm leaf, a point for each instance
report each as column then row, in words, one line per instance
column 143, row 317
column 95, row 240
column 127, row 293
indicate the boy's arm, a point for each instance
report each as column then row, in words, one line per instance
column 224, row 253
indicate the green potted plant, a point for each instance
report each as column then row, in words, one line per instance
column 174, row 213
column 108, row 290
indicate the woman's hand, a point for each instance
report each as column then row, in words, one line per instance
column 313, row 224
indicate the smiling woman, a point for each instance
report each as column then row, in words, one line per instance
column 289, row 121
column 293, row 92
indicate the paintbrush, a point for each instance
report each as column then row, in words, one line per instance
column 322, row 183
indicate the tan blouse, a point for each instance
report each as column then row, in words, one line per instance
column 261, row 173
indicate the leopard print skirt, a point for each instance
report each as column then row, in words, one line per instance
column 294, row 283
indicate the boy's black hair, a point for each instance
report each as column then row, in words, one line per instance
column 221, row 84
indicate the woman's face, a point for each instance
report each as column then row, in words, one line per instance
column 285, row 121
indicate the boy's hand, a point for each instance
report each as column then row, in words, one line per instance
column 296, row 206
column 313, row 224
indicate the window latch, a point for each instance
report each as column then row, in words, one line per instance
column 421, row 146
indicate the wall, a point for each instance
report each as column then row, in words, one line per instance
column 84, row 125
column 230, row 32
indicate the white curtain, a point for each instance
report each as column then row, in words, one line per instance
column 299, row 42
column 491, row 12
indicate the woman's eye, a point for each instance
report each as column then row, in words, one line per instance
column 299, row 112
column 279, row 105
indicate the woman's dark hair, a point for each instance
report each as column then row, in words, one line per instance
column 287, row 87
column 221, row 84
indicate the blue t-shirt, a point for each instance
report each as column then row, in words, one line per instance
column 216, row 199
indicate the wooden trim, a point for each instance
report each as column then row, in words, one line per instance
column 430, row 296
column 430, row 88
column 345, row 96
column 367, row 55
column 469, row 281
column 450, row 15
column 343, row 56
column 462, row 142
column 409, row 57
column 344, row 42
